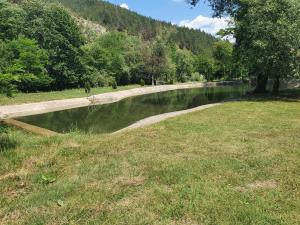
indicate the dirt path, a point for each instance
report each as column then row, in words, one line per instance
column 161, row 117
column 12, row 111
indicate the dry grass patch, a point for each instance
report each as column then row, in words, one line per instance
column 129, row 181
column 262, row 185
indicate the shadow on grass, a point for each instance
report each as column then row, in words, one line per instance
column 288, row 95
column 6, row 142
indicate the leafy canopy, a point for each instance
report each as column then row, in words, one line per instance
column 267, row 35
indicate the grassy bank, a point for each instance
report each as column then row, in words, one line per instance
column 20, row 98
column 233, row 164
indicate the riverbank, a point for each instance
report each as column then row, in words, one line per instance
column 237, row 163
column 11, row 111
column 161, row 117
column 22, row 98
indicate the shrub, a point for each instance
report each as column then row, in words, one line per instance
column 101, row 78
column 87, row 87
column 3, row 128
column 7, row 84
column 114, row 85
column 142, row 82
column 32, row 83
column 111, row 81
column 171, row 81
column 197, row 77
column 101, row 81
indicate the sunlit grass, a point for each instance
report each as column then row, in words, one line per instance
column 237, row 163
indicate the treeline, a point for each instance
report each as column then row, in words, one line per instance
column 42, row 48
column 116, row 18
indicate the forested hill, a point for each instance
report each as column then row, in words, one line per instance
column 48, row 45
column 116, row 18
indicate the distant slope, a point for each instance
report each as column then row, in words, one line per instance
column 91, row 30
column 116, row 18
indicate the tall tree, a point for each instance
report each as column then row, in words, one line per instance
column 56, row 30
column 158, row 59
column 267, row 36
column 268, row 40
column 205, row 66
column 184, row 64
column 222, row 52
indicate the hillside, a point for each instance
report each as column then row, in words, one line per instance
column 90, row 29
column 62, row 44
column 116, row 18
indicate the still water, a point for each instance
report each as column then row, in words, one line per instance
column 112, row 117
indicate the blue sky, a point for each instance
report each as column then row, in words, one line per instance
column 176, row 11
column 167, row 10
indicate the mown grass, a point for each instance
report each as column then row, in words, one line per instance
column 58, row 95
column 237, row 163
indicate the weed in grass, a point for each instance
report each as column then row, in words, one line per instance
column 47, row 180
column 3, row 128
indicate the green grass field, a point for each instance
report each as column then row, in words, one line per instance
column 237, row 163
column 20, row 98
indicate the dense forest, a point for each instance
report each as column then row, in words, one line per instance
column 116, row 18
column 43, row 47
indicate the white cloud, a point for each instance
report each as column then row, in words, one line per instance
column 124, row 5
column 207, row 24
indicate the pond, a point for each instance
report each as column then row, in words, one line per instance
column 115, row 116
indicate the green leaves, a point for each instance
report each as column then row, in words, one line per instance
column 25, row 66
column 11, row 21
column 42, row 38
column 222, row 52
column 184, row 64
column 8, row 84
column 267, row 35
column 206, row 66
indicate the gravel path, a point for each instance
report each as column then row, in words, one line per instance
column 12, row 111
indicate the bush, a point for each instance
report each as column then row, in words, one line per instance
column 171, row 81
column 142, row 83
column 184, row 78
column 4, row 129
column 87, row 87
column 7, row 84
column 197, row 77
column 101, row 79
column 32, row 83
column 114, row 85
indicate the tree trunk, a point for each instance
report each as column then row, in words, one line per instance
column 261, row 83
column 152, row 80
column 276, row 86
